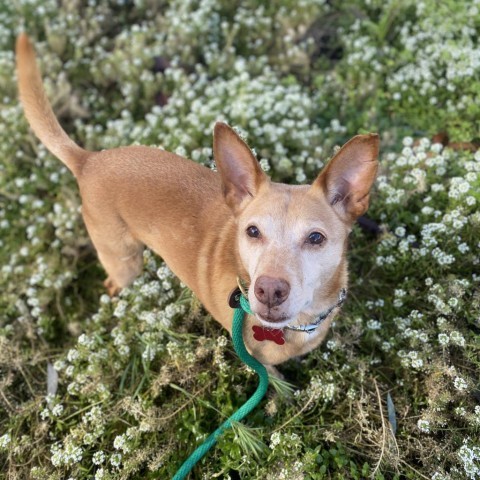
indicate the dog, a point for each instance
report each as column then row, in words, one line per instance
column 287, row 242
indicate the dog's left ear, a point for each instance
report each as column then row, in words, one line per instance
column 348, row 177
column 240, row 171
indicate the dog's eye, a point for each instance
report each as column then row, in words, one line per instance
column 253, row 231
column 315, row 238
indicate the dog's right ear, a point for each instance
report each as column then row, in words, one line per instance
column 239, row 169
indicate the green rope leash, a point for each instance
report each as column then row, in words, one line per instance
column 247, row 407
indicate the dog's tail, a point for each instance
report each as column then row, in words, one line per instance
column 39, row 112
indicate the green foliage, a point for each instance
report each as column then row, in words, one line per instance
column 145, row 377
column 413, row 63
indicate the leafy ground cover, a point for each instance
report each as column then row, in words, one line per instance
column 135, row 382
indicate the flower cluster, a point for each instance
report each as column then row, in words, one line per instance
column 421, row 66
column 470, row 457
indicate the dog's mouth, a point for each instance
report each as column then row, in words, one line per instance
column 273, row 322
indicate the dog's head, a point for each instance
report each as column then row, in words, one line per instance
column 292, row 239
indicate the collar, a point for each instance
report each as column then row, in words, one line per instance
column 311, row 327
column 234, row 302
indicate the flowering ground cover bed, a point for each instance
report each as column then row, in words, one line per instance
column 125, row 388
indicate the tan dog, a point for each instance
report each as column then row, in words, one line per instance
column 288, row 242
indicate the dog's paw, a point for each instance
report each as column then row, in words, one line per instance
column 112, row 288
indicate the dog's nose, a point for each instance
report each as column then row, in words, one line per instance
column 271, row 291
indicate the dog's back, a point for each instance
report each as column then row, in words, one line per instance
column 131, row 196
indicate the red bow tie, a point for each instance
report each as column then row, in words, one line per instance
column 260, row 334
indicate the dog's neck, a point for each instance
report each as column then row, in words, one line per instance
column 315, row 323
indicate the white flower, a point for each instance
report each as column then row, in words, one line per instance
column 120, row 309
column 116, row 459
column 374, row 324
column 70, row 455
column 275, row 440
column 460, row 384
column 100, row 474
column 5, row 441
column 457, row 338
column 331, row 345
column 86, row 341
column 163, row 273
column 264, row 165
column 57, row 410
column 320, row 389
column 105, row 299
column 453, row 302
column 470, row 457
column 443, row 339
column 123, row 350
column 45, row 413
column 72, row 355
column 120, row 443
column 423, row 426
